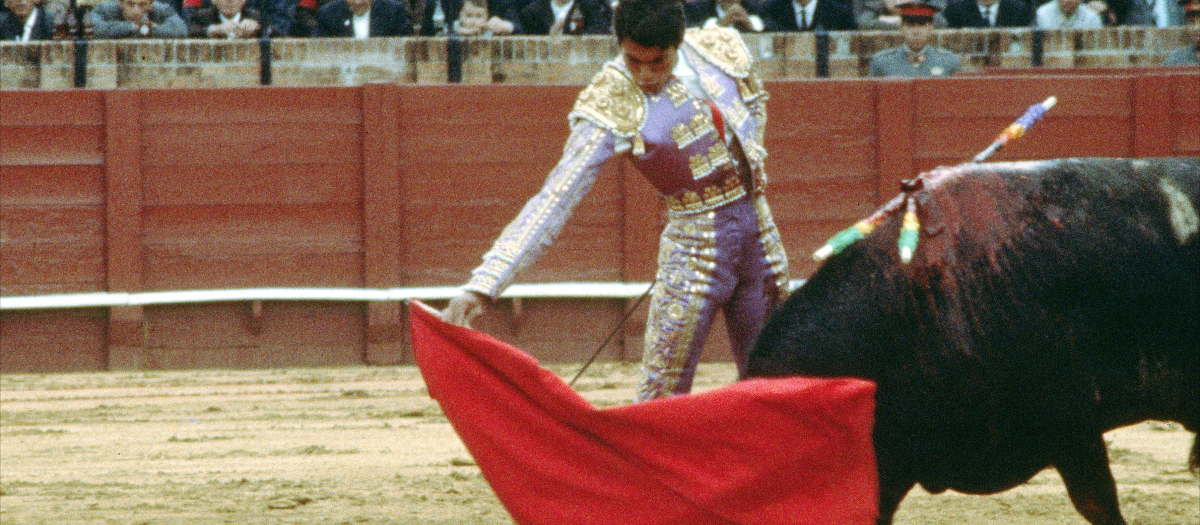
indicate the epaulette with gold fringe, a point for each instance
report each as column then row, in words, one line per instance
column 613, row 101
column 722, row 47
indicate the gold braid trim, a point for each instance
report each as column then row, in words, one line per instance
column 721, row 47
column 612, row 101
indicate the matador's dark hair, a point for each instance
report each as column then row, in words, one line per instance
column 650, row 23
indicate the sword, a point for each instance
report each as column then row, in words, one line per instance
column 613, row 333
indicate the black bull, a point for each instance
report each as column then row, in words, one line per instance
column 1047, row 303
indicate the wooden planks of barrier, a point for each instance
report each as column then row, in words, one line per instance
column 384, row 186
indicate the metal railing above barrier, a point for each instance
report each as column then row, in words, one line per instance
column 148, row 63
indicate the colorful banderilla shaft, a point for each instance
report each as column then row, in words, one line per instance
column 1017, row 129
column 852, row 234
column 909, row 232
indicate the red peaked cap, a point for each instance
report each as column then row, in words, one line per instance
column 794, row 450
column 920, row 10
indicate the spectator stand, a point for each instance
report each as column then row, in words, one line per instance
column 182, row 63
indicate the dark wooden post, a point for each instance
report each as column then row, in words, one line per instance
column 382, row 204
column 1151, row 101
column 123, row 226
column 894, row 113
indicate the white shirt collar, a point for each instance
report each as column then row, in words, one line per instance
column 1161, row 17
column 560, row 12
column 236, row 18
column 362, row 25
column 989, row 12
column 810, row 10
column 30, row 22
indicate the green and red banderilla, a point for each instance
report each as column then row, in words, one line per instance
column 909, row 232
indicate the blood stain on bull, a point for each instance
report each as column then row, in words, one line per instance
column 1046, row 303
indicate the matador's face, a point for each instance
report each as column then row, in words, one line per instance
column 651, row 66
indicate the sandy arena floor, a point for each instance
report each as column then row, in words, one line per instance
column 367, row 445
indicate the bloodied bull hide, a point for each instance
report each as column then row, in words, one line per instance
column 1045, row 303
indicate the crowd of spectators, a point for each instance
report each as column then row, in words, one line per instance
column 40, row 19
column 28, row 20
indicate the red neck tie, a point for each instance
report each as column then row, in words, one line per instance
column 718, row 121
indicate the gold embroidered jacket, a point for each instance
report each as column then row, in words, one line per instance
column 670, row 137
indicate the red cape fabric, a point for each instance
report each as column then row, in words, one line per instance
column 761, row 451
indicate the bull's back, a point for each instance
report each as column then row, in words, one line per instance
column 1044, row 298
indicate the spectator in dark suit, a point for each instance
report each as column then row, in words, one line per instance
column 136, row 18
column 226, row 19
column 277, row 15
column 566, row 17
column 437, row 16
column 304, row 22
column 738, row 14
column 826, row 15
column 280, row 14
column 1154, row 13
column 363, row 18
column 472, row 19
column 988, row 13
column 24, row 21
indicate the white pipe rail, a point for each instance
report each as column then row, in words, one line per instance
column 583, row 290
column 569, row 290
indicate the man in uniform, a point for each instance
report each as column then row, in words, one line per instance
column 1188, row 55
column 689, row 112
column 916, row 57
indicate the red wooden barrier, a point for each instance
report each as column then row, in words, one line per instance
column 385, row 185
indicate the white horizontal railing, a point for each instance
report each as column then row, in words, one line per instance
column 584, row 290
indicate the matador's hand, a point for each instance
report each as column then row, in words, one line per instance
column 464, row 308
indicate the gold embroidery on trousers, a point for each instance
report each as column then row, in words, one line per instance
column 772, row 245
column 687, row 254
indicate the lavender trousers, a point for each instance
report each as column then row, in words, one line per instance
column 707, row 262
